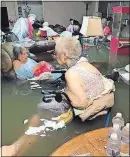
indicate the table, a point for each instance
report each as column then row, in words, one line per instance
column 92, row 142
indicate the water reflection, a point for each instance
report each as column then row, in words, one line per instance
column 19, row 102
column 22, row 88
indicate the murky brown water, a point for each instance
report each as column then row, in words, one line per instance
column 17, row 107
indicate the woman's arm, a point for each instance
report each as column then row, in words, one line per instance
column 16, row 64
column 20, row 147
column 75, row 90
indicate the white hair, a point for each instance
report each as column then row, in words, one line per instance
column 104, row 20
column 45, row 24
column 32, row 15
column 70, row 46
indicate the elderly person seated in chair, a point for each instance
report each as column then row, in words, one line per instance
column 23, row 29
column 89, row 92
column 27, row 68
column 106, row 29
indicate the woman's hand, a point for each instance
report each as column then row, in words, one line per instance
column 7, row 150
column 76, row 90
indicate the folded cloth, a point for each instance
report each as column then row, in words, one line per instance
column 98, row 103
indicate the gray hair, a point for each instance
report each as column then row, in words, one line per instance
column 17, row 50
column 32, row 15
column 69, row 46
column 45, row 24
column 104, row 21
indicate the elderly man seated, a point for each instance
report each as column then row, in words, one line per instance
column 23, row 29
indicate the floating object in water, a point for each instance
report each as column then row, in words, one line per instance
column 42, row 135
column 125, row 77
column 50, row 124
column 47, row 129
column 25, row 121
column 43, row 76
column 33, row 83
column 34, row 78
column 47, row 126
column 39, row 87
column 60, row 125
column 35, row 86
column 56, row 118
column 42, row 119
column 127, row 68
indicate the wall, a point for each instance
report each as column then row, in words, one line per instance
column 61, row 12
column 35, row 6
column 36, row 9
column 3, row 4
column 93, row 9
column 11, row 8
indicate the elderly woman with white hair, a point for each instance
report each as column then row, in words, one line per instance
column 86, row 88
column 23, row 29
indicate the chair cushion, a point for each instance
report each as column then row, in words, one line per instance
column 8, row 47
column 6, row 62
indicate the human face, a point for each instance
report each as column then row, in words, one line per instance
column 23, row 56
column 32, row 19
column 61, row 58
column 71, row 22
column 104, row 23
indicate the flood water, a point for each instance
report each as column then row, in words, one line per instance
column 18, row 105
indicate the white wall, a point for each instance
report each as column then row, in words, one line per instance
column 61, row 12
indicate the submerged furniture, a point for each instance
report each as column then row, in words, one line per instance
column 120, row 44
column 92, row 143
column 90, row 34
column 43, row 50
